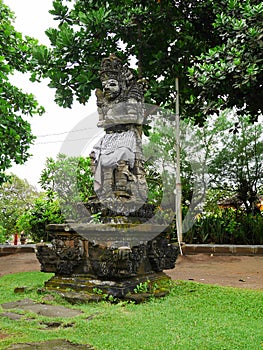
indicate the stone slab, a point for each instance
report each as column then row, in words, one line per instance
column 41, row 309
column 11, row 315
column 85, row 289
column 133, row 233
column 56, row 344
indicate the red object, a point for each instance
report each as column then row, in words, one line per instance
column 15, row 239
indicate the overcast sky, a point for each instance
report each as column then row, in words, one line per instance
column 59, row 129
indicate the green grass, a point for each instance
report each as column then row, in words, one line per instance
column 193, row 316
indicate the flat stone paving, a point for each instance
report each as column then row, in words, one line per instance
column 58, row 344
column 41, row 309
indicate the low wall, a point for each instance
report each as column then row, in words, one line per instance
column 222, row 249
column 7, row 249
column 188, row 249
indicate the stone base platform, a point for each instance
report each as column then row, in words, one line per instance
column 84, row 288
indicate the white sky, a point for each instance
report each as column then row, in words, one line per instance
column 32, row 18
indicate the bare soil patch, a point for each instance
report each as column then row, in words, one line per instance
column 232, row 271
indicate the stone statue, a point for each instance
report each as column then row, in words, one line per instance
column 124, row 249
column 118, row 161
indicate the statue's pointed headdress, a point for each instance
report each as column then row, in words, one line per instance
column 113, row 68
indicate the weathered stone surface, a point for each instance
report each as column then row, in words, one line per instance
column 11, row 315
column 41, row 309
column 73, row 253
column 57, row 344
column 127, row 246
column 84, row 289
column 118, row 161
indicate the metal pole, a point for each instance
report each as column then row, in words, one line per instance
column 178, row 198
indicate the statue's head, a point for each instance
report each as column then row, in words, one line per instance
column 111, row 89
column 115, row 77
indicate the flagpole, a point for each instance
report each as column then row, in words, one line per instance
column 178, row 198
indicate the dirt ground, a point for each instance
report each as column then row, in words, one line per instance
column 233, row 271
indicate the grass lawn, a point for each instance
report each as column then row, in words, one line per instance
column 193, row 316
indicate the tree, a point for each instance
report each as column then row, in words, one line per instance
column 230, row 74
column 160, row 149
column 237, row 163
column 69, row 179
column 16, row 197
column 224, row 154
column 163, row 36
column 15, row 131
column 214, row 48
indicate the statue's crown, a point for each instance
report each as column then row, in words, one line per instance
column 111, row 67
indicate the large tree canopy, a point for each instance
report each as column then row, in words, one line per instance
column 231, row 74
column 164, row 36
column 15, row 131
column 218, row 41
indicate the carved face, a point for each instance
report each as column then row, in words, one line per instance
column 111, row 89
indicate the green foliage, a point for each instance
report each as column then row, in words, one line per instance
column 160, row 152
column 230, row 74
column 214, row 48
column 2, row 235
column 67, row 182
column 16, row 198
column 68, row 178
column 142, row 287
column 237, row 164
column 154, row 183
column 226, row 226
column 162, row 36
column 193, row 316
column 33, row 222
column 224, row 157
column 96, row 218
column 15, row 131
column 97, row 291
column 225, row 153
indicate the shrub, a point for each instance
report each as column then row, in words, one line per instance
column 3, row 237
column 34, row 221
column 227, row 226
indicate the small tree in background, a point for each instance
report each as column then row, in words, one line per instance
column 16, row 197
column 69, row 179
column 237, row 164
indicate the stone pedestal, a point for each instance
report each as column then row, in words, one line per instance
column 111, row 258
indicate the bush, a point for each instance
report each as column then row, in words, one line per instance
column 3, row 237
column 34, row 221
column 227, row 226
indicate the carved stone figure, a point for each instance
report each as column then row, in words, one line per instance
column 124, row 249
column 118, row 161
